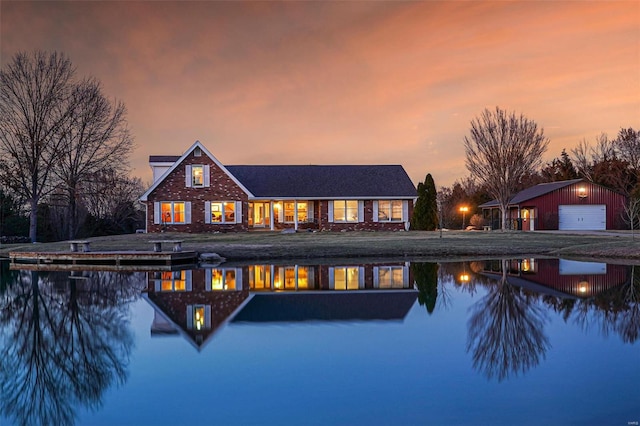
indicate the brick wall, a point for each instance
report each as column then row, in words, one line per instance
column 367, row 225
column 173, row 188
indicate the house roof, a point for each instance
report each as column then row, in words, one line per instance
column 328, row 306
column 325, row 181
column 163, row 158
column 197, row 144
column 534, row 192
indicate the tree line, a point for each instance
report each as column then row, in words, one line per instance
column 64, row 152
column 504, row 156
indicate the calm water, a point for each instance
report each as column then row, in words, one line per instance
column 522, row 341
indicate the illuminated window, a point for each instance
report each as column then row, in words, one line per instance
column 197, row 175
column 390, row 277
column 284, row 278
column 528, row 265
column 223, row 212
column 305, row 279
column 346, row 278
column 260, row 277
column 172, row 212
column 289, row 211
column 173, row 281
column 302, row 212
column 198, row 317
column 390, row 211
column 222, row 279
column 345, row 211
column 230, row 279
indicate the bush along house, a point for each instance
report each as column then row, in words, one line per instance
column 564, row 205
column 196, row 193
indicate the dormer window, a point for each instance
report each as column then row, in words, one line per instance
column 197, row 175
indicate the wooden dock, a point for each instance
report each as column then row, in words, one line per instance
column 102, row 260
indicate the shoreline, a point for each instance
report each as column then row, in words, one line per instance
column 610, row 246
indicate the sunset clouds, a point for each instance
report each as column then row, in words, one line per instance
column 344, row 82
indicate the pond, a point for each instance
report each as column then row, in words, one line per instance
column 520, row 341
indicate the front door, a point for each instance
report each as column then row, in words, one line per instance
column 525, row 219
column 259, row 214
column 528, row 219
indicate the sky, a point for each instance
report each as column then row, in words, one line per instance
column 344, row 82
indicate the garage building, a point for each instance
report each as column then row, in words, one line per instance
column 565, row 205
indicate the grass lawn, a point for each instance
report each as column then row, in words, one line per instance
column 414, row 244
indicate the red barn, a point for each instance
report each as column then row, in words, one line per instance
column 566, row 205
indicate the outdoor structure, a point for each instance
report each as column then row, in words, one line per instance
column 196, row 193
column 567, row 279
column 565, row 205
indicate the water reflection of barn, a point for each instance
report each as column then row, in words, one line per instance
column 196, row 303
column 567, row 277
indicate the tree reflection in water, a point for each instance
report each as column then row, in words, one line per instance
column 506, row 331
column 65, row 340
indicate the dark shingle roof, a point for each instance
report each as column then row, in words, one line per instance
column 325, row 181
column 325, row 306
column 534, row 192
column 163, row 158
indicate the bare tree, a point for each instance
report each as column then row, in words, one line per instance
column 582, row 160
column 95, row 138
column 33, row 94
column 631, row 214
column 628, row 146
column 108, row 191
column 611, row 163
column 502, row 149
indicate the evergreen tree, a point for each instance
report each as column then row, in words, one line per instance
column 431, row 216
column 426, row 279
column 425, row 211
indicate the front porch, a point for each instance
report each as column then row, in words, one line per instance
column 283, row 214
column 518, row 218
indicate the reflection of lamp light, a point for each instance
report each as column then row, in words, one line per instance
column 583, row 286
column 463, row 210
column 464, row 278
column 582, row 192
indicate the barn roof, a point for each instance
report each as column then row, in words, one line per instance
column 534, row 192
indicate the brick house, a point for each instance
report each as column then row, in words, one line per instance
column 196, row 193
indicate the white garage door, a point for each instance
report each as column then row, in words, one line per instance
column 573, row 217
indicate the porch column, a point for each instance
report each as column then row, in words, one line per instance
column 271, row 222
column 295, row 215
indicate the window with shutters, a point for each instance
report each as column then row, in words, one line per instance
column 345, row 211
column 197, row 176
column 172, row 212
column 223, row 212
column 390, row 211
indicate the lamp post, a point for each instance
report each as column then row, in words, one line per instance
column 463, row 210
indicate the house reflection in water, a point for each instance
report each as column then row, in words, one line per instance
column 561, row 277
column 196, row 303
